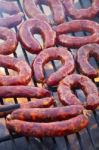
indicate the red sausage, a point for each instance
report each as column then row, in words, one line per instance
column 11, row 21
column 9, row 7
column 13, row 10
column 20, row 66
column 74, row 26
column 35, row 13
column 39, row 103
column 23, row 91
column 10, row 41
column 50, row 54
column 83, row 55
column 32, row 26
column 75, row 80
column 59, row 128
column 47, row 114
column 83, row 13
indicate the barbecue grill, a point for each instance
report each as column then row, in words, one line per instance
column 87, row 139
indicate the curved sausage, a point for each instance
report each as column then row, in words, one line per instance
column 74, row 26
column 83, row 55
column 83, row 13
column 32, row 26
column 23, row 91
column 13, row 10
column 75, row 80
column 20, row 66
column 11, row 21
column 49, row 54
column 47, row 114
column 59, row 128
column 35, row 13
column 9, row 7
column 10, row 41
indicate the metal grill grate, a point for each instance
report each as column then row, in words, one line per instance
column 87, row 139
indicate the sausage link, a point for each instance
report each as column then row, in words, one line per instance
column 83, row 13
column 83, row 55
column 38, row 103
column 67, row 97
column 23, row 91
column 50, row 54
column 35, row 13
column 13, row 10
column 31, row 26
column 52, row 129
column 23, row 69
column 47, row 114
column 10, row 41
column 74, row 26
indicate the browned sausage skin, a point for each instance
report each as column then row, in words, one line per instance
column 55, row 5
column 74, row 26
column 23, row 91
column 10, row 41
column 52, row 129
column 83, row 55
column 39, row 103
column 20, row 66
column 33, row 26
column 47, row 114
column 11, row 21
column 50, row 54
column 72, row 81
column 9, row 7
column 83, row 13
column 13, row 10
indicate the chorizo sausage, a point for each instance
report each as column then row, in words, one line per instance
column 37, row 103
column 20, row 66
column 35, row 13
column 47, row 114
column 13, row 10
column 32, row 26
column 83, row 55
column 10, row 41
column 74, row 26
column 59, row 128
column 49, row 54
column 11, row 21
column 83, row 13
column 23, row 91
column 75, row 80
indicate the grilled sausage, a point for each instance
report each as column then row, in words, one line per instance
column 20, row 66
column 10, row 41
column 47, row 114
column 37, row 103
column 9, row 7
column 13, row 10
column 35, row 13
column 72, row 81
column 31, row 26
column 23, row 91
column 83, row 13
column 49, row 54
column 83, row 55
column 74, row 26
column 52, row 129
column 11, row 21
